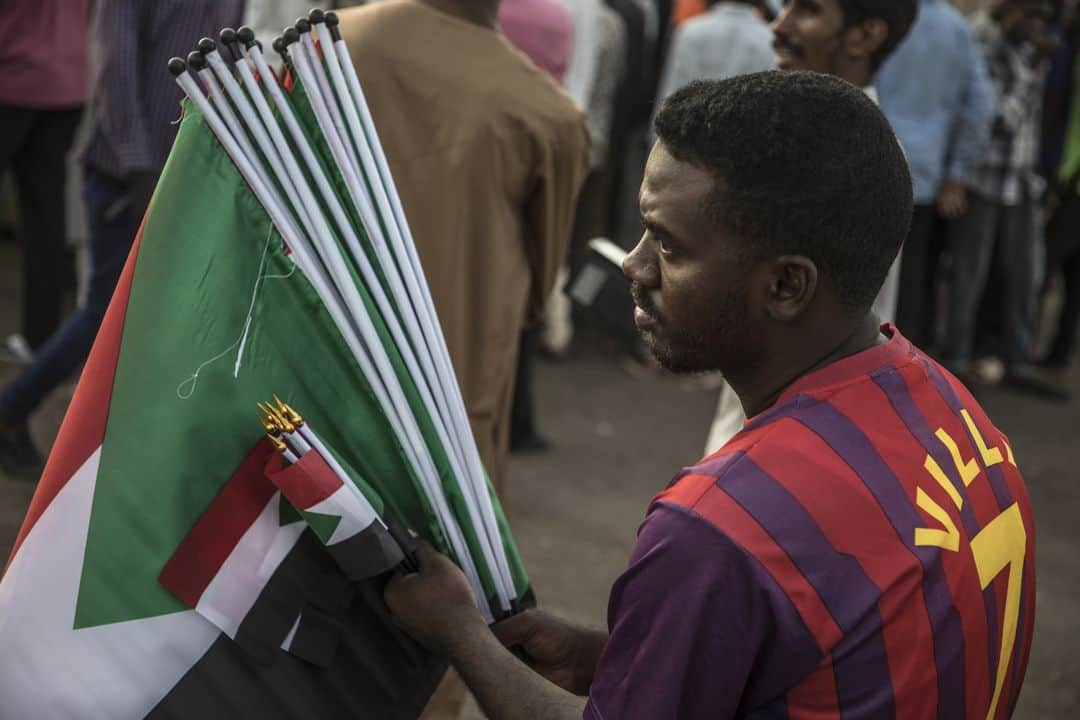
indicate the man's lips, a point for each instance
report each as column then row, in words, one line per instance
column 785, row 51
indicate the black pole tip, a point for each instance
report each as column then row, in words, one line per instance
column 303, row 25
column 177, row 66
column 228, row 39
column 196, row 61
column 316, row 16
column 207, row 45
column 278, row 44
column 246, row 35
column 290, row 36
column 332, row 19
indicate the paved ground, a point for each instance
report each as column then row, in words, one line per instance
column 618, row 437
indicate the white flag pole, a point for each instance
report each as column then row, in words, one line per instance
column 311, row 53
column 490, row 550
column 256, row 127
column 419, row 290
column 430, row 478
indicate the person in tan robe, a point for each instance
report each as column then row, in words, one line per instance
column 488, row 155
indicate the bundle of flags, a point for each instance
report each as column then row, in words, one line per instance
column 179, row 560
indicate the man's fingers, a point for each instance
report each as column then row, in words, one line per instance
column 516, row 629
column 426, row 552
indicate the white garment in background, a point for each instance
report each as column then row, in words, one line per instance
column 730, row 39
column 269, row 17
column 581, row 72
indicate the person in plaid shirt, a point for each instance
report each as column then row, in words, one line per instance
column 1005, row 192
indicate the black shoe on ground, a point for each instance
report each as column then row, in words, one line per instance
column 18, row 457
column 1026, row 379
column 1055, row 361
column 531, row 444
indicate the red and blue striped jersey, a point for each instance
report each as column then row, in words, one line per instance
column 863, row 549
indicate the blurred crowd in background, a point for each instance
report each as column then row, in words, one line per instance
column 982, row 95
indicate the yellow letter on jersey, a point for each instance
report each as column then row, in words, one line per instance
column 949, row 538
column 990, row 456
column 1002, row 544
column 969, row 470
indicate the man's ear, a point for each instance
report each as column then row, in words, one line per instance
column 792, row 288
column 864, row 39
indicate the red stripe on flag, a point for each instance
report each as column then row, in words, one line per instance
column 237, row 505
column 83, row 429
column 305, row 483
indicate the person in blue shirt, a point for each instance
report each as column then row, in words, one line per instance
column 936, row 93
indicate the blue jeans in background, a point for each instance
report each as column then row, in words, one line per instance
column 988, row 230
column 111, row 226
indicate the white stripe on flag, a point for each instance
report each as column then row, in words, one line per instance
column 233, row 591
column 51, row 670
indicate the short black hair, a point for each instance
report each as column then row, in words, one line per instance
column 899, row 16
column 806, row 164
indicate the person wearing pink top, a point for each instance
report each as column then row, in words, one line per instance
column 43, row 87
column 541, row 29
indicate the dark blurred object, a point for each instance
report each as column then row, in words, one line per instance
column 1063, row 255
column 43, row 72
column 130, row 133
column 602, row 292
column 18, row 457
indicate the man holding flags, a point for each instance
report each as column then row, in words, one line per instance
column 864, row 546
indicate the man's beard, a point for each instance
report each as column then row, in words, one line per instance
column 708, row 344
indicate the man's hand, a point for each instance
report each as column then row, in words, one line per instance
column 559, row 651
column 952, row 199
column 435, row 605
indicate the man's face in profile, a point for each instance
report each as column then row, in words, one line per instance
column 689, row 279
column 808, row 35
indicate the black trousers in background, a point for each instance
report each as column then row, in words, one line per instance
column 916, row 307
column 35, row 144
column 1063, row 255
column 523, row 409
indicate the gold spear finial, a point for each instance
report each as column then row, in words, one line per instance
column 279, row 445
column 280, row 420
column 266, row 418
column 288, row 412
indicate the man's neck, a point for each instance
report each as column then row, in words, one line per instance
column 764, row 385
column 484, row 13
column 858, row 75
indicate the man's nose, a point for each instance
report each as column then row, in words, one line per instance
column 780, row 21
column 640, row 264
